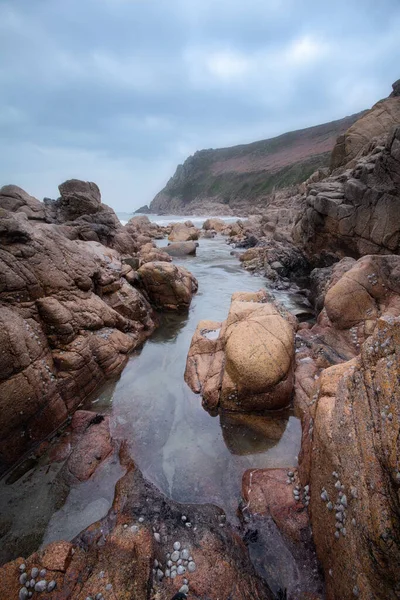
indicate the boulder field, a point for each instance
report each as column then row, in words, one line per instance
column 73, row 304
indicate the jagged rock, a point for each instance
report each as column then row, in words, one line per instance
column 375, row 123
column 248, row 365
column 69, row 319
column 169, row 287
column 354, row 458
column 15, row 199
column 355, row 213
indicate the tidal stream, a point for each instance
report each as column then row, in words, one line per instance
column 188, row 454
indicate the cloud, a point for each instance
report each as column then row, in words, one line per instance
column 120, row 91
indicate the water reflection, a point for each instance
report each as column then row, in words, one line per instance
column 252, row 434
column 188, row 454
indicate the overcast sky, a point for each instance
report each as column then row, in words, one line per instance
column 121, row 91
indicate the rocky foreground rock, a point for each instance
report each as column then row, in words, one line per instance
column 72, row 308
column 147, row 547
column 346, row 393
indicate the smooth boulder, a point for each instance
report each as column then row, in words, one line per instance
column 246, row 365
column 168, row 286
column 181, row 249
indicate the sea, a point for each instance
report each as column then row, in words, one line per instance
column 166, row 219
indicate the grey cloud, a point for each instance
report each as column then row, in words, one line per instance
column 120, row 91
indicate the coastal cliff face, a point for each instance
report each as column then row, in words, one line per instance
column 356, row 210
column 240, row 179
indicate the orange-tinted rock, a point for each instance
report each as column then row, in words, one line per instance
column 248, row 365
column 354, row 465
column 56, row 556
column 168, row 286
column 266, row 492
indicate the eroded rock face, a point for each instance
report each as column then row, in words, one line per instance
column 375, row 123
column 355, row 476
column 357, row 212
column 15, row 199
column 346, row 369
column 118, row 554
column 69, row 320
column 169, row 287
column 248, row 365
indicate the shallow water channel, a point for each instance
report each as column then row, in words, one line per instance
column 190, row 455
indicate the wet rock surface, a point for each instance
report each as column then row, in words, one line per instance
column 146, row 547
column 249, row 366
column 70, row 315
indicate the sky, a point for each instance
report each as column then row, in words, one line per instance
column 121, row 91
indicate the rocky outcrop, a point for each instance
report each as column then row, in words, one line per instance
column 69, row 319
column 346, row 373
column 246, row 363
column 357, row 212
column 69, row 312
column 355, row 475
column 375, row 123
column 125, row 555
column 169, row 287
column 243, row 179
column 183, row 233
column 15, row 199
column 143, row 210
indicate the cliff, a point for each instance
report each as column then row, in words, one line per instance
column 240, row 179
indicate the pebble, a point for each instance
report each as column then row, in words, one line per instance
column 160, row 574
column 167, row 572
column 184, row 589
column 337, row 535
column 169, row 563
column 181, row 570
column 23, row 593
column 184, row 518
column 23, row 578
column 179, row 562
column 98, row 596
column 177, row 545
column 41, row 586
column 155, row 563
column 51, row 585
column 175, row 556
column 188, row 524
column 185, row 554
column 22, row 567
column 173, row 574
column 134, row 528
column 34, row 572
column 141, row 519
column 32, row 583
column 43, row 573
column 185, row 581
column 157, row 537
column 191, row 567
